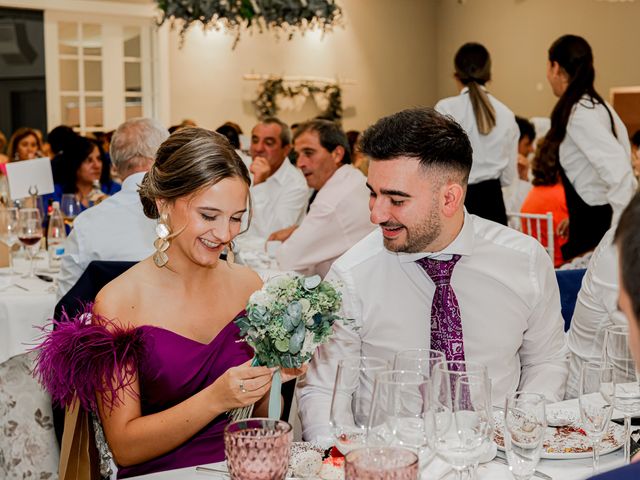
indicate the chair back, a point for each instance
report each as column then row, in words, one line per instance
column 538, row 225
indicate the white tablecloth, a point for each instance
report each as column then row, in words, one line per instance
column 21, row 311
column 578, row 469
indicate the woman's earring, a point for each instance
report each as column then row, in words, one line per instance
column 161, row 244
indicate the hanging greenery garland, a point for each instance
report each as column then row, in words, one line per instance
column 274, row 93
column 280, row 16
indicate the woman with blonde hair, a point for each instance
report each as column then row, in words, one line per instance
column 491, row 128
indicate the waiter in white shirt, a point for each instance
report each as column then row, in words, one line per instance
column 491, row 128
column 117, row 228
column 433, row 275
column 279, row 191
column 339, row 215
column 591, row 145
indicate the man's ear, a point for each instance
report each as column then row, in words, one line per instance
column 452, row 194
column 338, row 154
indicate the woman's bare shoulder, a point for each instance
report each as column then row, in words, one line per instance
column 118, row 299
column 244, row 277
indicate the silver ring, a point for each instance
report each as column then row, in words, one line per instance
column 242, row 389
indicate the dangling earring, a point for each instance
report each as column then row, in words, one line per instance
column 161, row 244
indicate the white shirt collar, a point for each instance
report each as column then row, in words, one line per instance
column 280, row 174
column 132, row 181
column 461, row 245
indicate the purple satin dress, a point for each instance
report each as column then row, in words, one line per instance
column 174, row 369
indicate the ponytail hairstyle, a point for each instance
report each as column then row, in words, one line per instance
column 575, row 57
column 473, row 69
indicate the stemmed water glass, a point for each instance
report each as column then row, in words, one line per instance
column 70, row 207
column 30, row 233
column 8, row 231
column 596, row 403
column 399, row 412
column 627, row 385
column 461, row 414
column 351, row 401
column 421, row 360
column 525, row 422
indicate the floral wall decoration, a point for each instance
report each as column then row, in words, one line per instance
column 277, row 94
column 279, row 16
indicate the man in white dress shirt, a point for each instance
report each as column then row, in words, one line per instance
column 339, row 215
column 116, row 229
column 279, row 191
column 503, row 305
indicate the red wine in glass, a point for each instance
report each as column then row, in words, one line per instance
column 30, row 240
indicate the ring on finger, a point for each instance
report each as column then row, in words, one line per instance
column 242, row 389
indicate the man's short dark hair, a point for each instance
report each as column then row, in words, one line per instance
column 635, row 139
column 526, row 128
column 330, row 134
column 627, row 238
column 285, row 132
column 436, row 140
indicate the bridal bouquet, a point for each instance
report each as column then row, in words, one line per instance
column 288, row 318
column 285, row 322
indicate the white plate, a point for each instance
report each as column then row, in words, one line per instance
column 557, row 438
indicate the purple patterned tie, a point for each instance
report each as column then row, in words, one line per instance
column 446, row 324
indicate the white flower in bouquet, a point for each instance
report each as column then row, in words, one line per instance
column 289, row 318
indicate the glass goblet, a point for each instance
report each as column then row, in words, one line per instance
column 421, row 360
column 30, row 233
column 8, row 231
column 381, row 463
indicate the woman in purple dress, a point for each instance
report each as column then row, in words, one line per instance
column 168, row 321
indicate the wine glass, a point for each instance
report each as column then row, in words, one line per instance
column 70, row 207
column 401, row 400
column 627, row 385
column 461, row 416
column 421, row 360
column 525, row 422
column 381, row 463
column 596, row 403
column 30, row 233
column 351, row 401
column 8, row 229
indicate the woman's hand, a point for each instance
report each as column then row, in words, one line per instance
column 291, row 373
column 241, row 386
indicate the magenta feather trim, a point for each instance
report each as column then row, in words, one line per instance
column 86, row 356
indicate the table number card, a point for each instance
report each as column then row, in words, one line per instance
column 30, row 177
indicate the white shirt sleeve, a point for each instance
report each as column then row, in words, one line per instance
column 72, row 265
column 315, row 390
column 543, row 354
column 289, row 209
column 607, row 157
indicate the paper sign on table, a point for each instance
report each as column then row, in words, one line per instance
column 30, row 177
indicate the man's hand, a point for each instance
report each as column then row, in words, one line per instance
column 260, row 169
column 282, row 235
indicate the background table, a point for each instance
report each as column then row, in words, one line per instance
column 21, row 311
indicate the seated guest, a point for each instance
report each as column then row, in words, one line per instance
column 82, row 166
column 515, row 193
column 596, row 309
column 279, row 191
column 117, row 228
column 184, row 368
column 59, row 138
column 500, row 307
column 627, row 239
column 24, row 144
column 357, row 159
column 547, row 195
column 339, row 216
column 232, row 131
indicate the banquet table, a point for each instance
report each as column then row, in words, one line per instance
column 25, row 303
column 575, row 469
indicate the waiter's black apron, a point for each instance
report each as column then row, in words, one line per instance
column 485, row 200
column 587, row 224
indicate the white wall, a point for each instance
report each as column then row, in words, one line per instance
column 387, row 48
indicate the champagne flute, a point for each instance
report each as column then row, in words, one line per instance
column 421, row 360
column 401, row 400
column 8, row 231
column 351, row 401
column 70, row 207
column 525, row 422
column 627, row 386
column 596, row 403
column 30, row 233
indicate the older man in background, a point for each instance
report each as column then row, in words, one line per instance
column 117, row 228
column 339, row 215
column 279, row 191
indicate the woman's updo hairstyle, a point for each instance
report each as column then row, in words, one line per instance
column 473, row 68
column 188, row 161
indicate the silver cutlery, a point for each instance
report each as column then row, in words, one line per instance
column 537, row 473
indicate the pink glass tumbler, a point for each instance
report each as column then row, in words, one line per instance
column 257, row 449
column 381, row 463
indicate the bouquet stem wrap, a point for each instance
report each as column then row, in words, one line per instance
column 275, row 399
